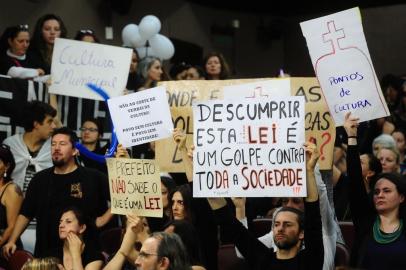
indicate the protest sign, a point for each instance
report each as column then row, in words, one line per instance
column 76, row 63
column 141, row 117
column 343, row 66
column 319, row 126
column 259, row 89
column 249, row 148
column 181, row 95
column 135, row 187
column 318, row 123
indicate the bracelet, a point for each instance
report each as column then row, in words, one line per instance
column 349, row 137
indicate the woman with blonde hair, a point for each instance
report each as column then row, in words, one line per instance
column 48, row 263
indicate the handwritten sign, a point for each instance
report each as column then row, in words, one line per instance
column 181, row 95
column 135, row 187
column 249, row 148
column 76, row 63
column 141, row 117
column 343, row 66
column 259, row 89
column 319, row 126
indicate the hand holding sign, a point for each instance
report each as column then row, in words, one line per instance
column 351, row 125
column 179, row 136
column 134, row 223
column 312, row 155
column 121, row 152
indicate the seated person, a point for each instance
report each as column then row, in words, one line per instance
column 77, row 251
column 290, row 228
column 11, row 197
column 129, row 258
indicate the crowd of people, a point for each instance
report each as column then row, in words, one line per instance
column 44, row 180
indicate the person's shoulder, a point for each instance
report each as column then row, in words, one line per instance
column 14, row 189
column 9, row 140
column 43, row 174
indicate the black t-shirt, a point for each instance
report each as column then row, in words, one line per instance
column 48, row 194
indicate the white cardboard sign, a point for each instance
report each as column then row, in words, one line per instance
column 76, row 63
column 343, row 66
column 249, row 148
column 141, row 117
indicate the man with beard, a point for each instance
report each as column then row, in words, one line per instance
column 53, row 190
column 289, row 229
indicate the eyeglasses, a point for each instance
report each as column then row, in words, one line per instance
column 23, row 27
column 88, row 129
column 144, row 255
column 86, row 31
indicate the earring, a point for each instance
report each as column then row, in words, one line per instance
column 5, row 175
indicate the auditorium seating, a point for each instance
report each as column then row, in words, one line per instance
column 347, row 229
column 18, row 259
column 228, row 260
column 342, row 257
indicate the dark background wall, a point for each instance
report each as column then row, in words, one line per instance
column 258, row 47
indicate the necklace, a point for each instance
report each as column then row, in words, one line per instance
column 386, row 238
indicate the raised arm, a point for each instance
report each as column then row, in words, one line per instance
column 361, row 209
column 179, row 136
column 312, row 155
column 127, row 250
column 313, row 228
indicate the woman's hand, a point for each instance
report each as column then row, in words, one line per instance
column 134, row 224
column 239, row 202
column 312, row 155
column 179, row 136
column 75, row 244
column 351, row 124
column 190, row 152
column 121, row 152
column 9, row 249
column 41, row 72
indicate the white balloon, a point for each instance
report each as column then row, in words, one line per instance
column 131, row 36
column 127, row 32
column 146, row 51
column 162, row 46
column 149, row 26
